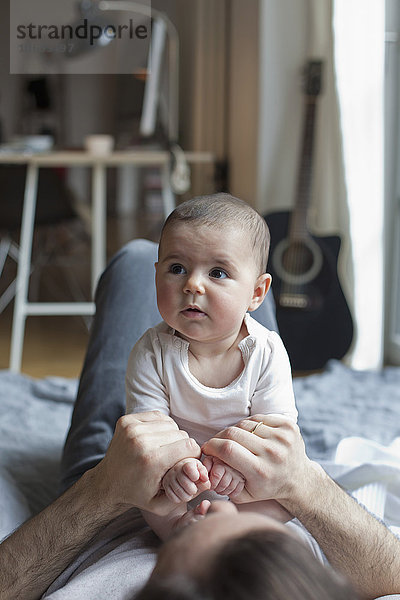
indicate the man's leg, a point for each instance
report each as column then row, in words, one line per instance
column 125, row 308
column 266, row 314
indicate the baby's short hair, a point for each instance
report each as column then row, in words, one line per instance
column 218, row 210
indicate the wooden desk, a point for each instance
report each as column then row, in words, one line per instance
column 98, row 164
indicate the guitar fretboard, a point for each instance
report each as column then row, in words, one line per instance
column 298, row 222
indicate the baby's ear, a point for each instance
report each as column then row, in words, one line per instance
column 261, row 287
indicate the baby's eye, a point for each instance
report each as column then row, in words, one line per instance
column 177, row 270
column 218, row 274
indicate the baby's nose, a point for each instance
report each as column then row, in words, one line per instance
column 222, row 506
column 194, row 284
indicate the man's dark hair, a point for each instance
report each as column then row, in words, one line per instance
column 219, row 210
column 262, row 565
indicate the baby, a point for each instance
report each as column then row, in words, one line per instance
column 209, row 364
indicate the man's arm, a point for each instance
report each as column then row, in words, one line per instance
column 143, row 448
column 33, row 556
column 353, row 540
column 275, row 465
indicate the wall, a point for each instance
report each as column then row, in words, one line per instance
column 222, row 106
column 243, row 102
column 9, row 83
column 283, row 49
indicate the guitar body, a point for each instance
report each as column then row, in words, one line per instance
column 314, row 320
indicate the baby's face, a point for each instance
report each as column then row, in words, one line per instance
column 206, row 280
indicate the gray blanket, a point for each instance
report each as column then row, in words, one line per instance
column 341, row 402
column 35, row 416
column 34, row 419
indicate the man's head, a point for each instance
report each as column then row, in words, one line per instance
column 223, row 212
column 211, row 267
column 241, row 556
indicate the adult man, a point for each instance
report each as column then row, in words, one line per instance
column 115, row 563
column 144, row 446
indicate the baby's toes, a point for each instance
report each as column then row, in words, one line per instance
column 208, row 463
column 225, row 482
column 191, row 470
column 235, row 488
column 217, row 473
column 187, row 486
column 176, row 493
column 172, row 496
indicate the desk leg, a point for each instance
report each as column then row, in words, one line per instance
column 99, row 223
column 24, row 268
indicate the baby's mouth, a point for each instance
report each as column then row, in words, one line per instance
column 193, row 312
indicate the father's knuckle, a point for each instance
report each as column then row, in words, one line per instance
column 279, row 455
column 191, row 443
column 128, row 425
column 258, row 417
column 139, row 442
column 226, row 449
column 192, row 446
column 287, row 432
column 293, row 427
column 123, row 422
column 231, row 432
column 293, row 432
column 258, row 470
column 157, row 413
column 146, row 456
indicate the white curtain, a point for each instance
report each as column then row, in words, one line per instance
column 359, row 29
column 347, row 196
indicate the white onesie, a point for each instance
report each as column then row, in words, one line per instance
column 158, row 377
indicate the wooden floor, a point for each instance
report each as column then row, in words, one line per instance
column 52, row 345
column 57, row 345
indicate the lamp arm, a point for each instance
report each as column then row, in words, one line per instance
column 173, row 55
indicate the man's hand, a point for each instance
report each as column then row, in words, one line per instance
column 144, row 447
column 272, row 459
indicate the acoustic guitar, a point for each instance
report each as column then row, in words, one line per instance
column 312, row 313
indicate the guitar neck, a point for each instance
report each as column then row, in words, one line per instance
column 298, row 223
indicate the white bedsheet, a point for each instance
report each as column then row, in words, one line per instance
column 371, row 472
column 118, row 564
column 34, row 418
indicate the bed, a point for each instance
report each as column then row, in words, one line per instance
column 34, row 419
column 350, row 421
column 338, row 403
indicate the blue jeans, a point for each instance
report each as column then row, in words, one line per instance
column 125, row 308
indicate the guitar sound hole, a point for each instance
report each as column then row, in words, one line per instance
column 297, row 259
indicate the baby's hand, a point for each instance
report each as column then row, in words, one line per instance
column 224, row 479
column 185, row 480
